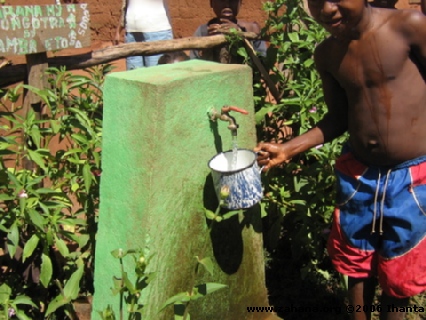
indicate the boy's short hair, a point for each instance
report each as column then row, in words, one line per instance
column 239, row 0
column 170, row 57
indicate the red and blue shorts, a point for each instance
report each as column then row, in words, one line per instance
column 379, row 224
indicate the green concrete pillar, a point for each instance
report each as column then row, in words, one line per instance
column 157, row 140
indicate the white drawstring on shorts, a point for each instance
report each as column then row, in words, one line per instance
column 382, row 203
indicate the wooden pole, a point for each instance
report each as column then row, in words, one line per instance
column 36, row 66
column 14, row 73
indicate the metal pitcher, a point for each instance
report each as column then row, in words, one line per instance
column 242, row 178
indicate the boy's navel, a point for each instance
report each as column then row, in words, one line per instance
column 371, row 144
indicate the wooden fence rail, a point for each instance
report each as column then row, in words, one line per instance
column 11, row 74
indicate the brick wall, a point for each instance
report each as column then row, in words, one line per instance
column 186, row 15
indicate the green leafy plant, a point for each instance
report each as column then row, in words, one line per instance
column 49, row 196
column 299, row 195
column 129, row 293
column 10, row 307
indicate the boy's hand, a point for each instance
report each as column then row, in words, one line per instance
column 270, row 155
column 225, row 26
column 213, row 29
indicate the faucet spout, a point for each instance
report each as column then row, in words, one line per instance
column 225, row 116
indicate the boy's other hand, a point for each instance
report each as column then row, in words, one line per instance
column 270, row 155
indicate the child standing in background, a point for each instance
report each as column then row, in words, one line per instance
column 144, row 20
column 226, row 12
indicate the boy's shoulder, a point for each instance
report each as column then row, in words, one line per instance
column 397, row 17
column 405, row 22
column 387, row 24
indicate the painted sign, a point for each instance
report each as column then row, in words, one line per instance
column 32, row 29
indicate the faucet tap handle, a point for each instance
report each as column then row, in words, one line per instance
column 226, row 109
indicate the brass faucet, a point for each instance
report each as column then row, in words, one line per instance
column 225, row 116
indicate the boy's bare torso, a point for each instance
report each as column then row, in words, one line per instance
column 386, row 94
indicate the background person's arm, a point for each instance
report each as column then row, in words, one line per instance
column 121, row 23
column 167, row 8
column 200, row 32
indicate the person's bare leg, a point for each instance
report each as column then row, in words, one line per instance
column 361, row 293
column 391, row 307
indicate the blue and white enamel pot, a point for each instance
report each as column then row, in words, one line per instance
column 241, row 174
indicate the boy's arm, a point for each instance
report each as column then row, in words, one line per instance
column 333, row 124
column 335, row 121
column 249, row 26
column 166, row 7
column 258, row 45
column 200, row 32
column 414, row 30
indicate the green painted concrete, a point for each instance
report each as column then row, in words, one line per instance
column 157, row 140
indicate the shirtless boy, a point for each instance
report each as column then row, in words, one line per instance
column 373, row 75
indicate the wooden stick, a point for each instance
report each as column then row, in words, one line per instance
column 271, row 85
column 15, row 73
